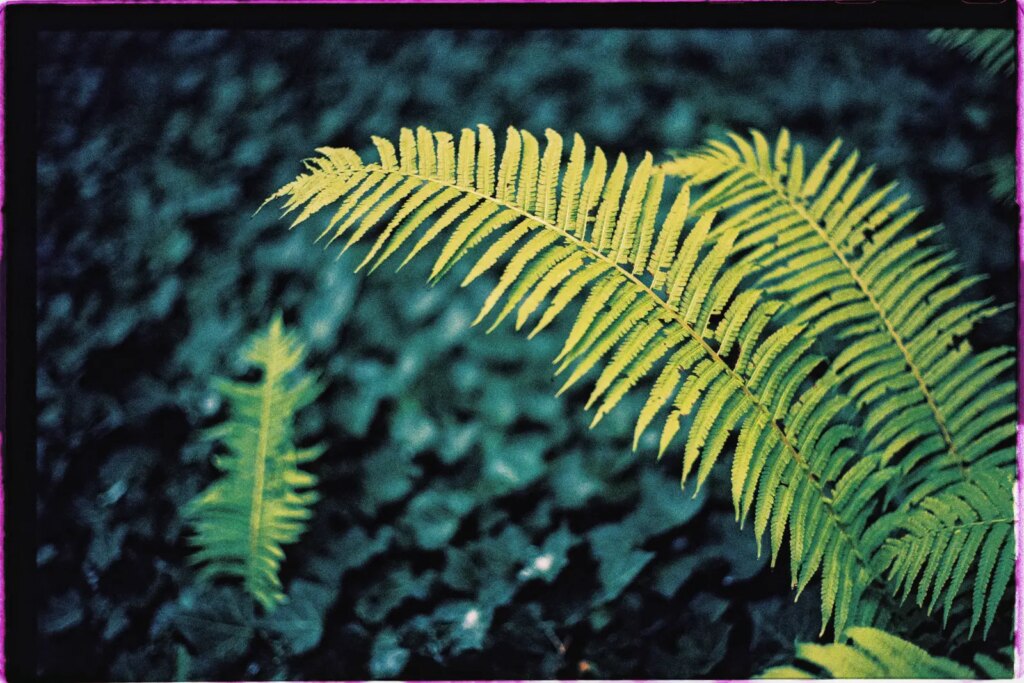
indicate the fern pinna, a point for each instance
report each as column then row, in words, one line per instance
column 841, row 256
column 263, row 499
column 658, row 299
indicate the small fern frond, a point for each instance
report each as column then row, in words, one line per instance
column 995, row 49
column 656, row 295
column 965, row 531
column 868, row 653
column 1001, row 172
column 263, row 499
column 840, row 256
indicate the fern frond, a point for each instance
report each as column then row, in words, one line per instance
column 868, row 653
column 1001, row 172
column 838, row 253
column 840, row 256
column 994, row 49
column 965, row 531
column 673, row 309
column 263, row 499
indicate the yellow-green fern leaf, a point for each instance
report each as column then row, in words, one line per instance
column 653, row 299
column 263, row 499
column 958, row 540
column 865, row 652
column 840, row 255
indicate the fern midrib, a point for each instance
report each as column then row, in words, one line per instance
column 795, row 454
column 259, row 471
column 957, row 528
column 940, row 419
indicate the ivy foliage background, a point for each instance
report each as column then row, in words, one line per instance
column 470, row 524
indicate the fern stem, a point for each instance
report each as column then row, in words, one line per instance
column 940, row 419
column 674, row 314
column 957, row 528
column 267, row 392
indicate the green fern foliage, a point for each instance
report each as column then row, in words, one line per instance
column 998, row 666
column 869, row 653
column 657, row 298
column 263, row 499
column 840, row 255
column 995, row 49
column 968, row 524
column 1002, row 177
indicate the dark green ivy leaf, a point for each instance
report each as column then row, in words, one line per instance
column 387, row 657
column 434, row 516
column 217, row 621
column 391, row 591
column 300, row 621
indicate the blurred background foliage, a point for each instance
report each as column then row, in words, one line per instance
column 470, row 525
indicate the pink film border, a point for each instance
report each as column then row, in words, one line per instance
column 1018, row 636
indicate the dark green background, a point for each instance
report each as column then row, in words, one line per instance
column 450, row 466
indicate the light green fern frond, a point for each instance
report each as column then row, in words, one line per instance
column 655, row 296
column 263, row 499
column 839, row 254
column 995, row 49
column 936, row 544
column 869, row 653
